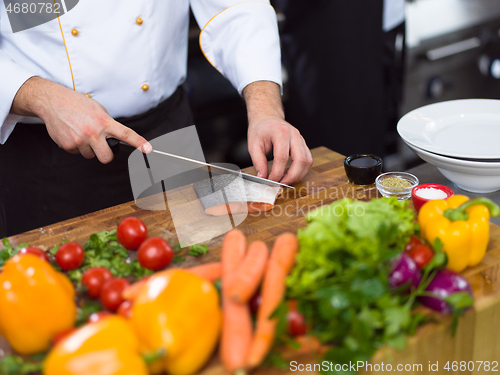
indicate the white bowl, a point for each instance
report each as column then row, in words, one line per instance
column 464, row 128
column 473, row 176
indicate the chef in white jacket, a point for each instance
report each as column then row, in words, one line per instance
column 71, row 77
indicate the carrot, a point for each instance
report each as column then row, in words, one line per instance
column 280, row 264
column 237, row 321
column 209, row 271
column 249, row 273
column 233, row 251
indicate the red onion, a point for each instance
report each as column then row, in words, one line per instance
column 444, row 284
column 404, row 271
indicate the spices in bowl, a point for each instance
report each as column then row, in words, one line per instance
column 398, row 184
column 423, row 193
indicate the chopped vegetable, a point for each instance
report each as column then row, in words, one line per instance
column 197, row 250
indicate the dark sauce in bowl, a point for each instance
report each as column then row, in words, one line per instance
column 362, row 169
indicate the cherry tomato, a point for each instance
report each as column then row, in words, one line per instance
column 421, row 255
column 95, row 317
column 131, row 232
column 111, row 293
column 255, row 302
column 296, row 321
column 414, row 241
column 155, row 253
column 94, row 278
column 35, row 251
column 125, row 309
column 70, row 256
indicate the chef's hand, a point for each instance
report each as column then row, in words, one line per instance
column 75, row 122
column 267, row 130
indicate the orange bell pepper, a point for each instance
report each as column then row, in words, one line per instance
column 177, row 312
column 106, row 347
column 36, row 303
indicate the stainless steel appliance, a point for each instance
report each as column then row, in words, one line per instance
column 453, row 52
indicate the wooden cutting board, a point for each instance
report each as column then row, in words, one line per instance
column 478, row 336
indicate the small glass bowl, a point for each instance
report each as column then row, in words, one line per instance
column 419, row 201
column 399, row 192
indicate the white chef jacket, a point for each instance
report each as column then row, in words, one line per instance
column 131, row 55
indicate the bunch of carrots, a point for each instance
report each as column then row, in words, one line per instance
column 242, row 271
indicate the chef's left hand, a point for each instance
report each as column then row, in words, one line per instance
column 267, row 130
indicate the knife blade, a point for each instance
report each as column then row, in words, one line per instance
column 112, row 142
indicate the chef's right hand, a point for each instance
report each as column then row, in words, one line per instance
column 75, row 122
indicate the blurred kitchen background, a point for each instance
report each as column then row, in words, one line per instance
column 452, row 52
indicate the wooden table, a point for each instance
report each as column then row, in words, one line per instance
column 478, row 336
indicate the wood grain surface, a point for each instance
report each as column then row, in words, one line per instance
column 478, row 336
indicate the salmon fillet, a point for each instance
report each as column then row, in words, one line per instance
column 230, row 194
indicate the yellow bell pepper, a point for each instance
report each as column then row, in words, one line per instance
column 106, row 347
column 177, row 312
column 36, row 303
column 462, row 225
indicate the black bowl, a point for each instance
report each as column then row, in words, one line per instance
column 362, row 169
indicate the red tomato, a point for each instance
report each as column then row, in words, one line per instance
column 414, row 241
column 95, row 317
column 155, row 253
column 125, row 309
column 131, row 232
column 296, row 321
column 421, row 255
column 111, row 293
column 70, row 256
column 94, row 278
column 35, row 251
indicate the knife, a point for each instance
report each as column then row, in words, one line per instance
column 113, row 142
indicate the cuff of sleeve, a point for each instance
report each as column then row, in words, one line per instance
column 242, row 43
column 12, row 77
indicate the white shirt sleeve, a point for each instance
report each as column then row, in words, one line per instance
column 240, row 39
column 12, row 77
